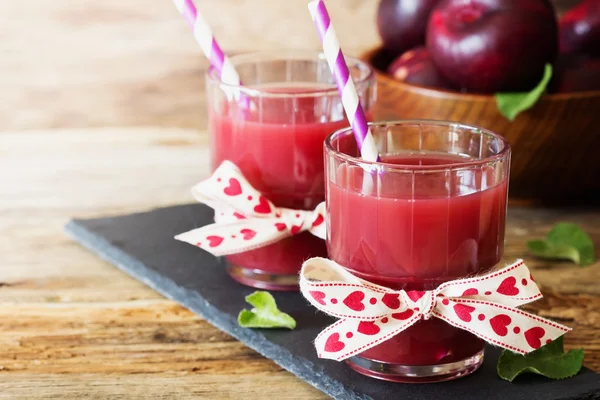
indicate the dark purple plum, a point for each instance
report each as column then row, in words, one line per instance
column 402, row 23
column 579, row 29
column 489, row 46
column 416, row 67
column 575, row 73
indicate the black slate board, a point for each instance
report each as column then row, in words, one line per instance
column 142, row 245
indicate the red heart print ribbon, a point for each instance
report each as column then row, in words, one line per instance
column 370, row 314
column 244, row 218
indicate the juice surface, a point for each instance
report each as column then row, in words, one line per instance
column 278, row 144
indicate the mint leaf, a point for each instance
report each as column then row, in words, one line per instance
column 265, row 313
column 511, row 104
column 565, row 242
column 550, row 361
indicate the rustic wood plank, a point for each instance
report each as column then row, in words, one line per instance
column 188, row 385
column 73, row 326
column 145, row 336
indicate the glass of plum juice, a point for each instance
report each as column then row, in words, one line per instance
column 273, row 128
column 432, row 210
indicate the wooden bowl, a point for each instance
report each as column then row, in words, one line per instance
column 555, row 144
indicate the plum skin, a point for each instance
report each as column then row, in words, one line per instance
column 416, row 67
column 489, row 46
column 579, row 29
column 402, row 23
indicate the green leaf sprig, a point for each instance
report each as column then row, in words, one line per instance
column 511, row 104
column 565, row 241
column 550, row 361
column 265, row 313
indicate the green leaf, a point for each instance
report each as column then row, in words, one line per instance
column 265, row 313
column 565, row 242
column 511, row 104
column 550, row 361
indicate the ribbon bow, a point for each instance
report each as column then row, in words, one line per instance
column 244, row 218
column 370, row 314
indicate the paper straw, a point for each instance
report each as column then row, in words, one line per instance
column 339, row 69
column 207, row 42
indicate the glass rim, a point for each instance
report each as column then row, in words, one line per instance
column 367, row 73
column 502, row 154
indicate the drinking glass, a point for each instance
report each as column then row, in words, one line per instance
column 433, row 210
column 273, row 128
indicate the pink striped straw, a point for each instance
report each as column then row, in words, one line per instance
column 345, row 84
column 207, row 42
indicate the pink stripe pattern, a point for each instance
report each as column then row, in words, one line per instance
column 343, row 80
column 207, row 42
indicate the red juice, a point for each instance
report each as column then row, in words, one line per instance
column 279, row 148
column 415, row 230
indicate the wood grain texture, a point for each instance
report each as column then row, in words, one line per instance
column 72, row 326
column 554, row 144
column 90, row 63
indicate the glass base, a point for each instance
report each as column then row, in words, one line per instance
column 416, row 373
column 263, row 280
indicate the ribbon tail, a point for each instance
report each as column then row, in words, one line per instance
column 512, row 285
column 349, row 337
column 500, row 325
column 236, row 237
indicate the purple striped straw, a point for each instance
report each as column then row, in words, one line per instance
column 341, row 74
column 207, row 42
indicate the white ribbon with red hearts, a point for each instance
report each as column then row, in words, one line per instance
column 244, row 218
column 370, row 314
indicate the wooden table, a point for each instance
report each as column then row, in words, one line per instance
column 102, row 113
column 72, row 325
